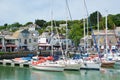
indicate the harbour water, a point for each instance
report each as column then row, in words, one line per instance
column 17, row 73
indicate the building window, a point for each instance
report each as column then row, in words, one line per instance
column 29, row 40
column 35, row 40
column 25, row 41
column 20, row 40
column 25, row 33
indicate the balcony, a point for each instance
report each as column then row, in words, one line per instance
column 9, row 43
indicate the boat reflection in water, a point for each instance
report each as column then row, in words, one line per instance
column 104, row 74
column 17, row 73
column 66, row 75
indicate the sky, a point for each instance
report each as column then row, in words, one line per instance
column 24, row 11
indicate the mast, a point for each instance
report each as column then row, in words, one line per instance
column 98, row 31
column 87, row 24
column 106, row 33
column 88, row 20
column 84, row 33
column 66, row 35
column 51, row 26
column 87, row 35
column 67, row 9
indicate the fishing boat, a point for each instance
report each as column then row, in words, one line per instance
column 46, row 64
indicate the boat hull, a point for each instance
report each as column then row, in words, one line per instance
column 70, row 64
column 109, row 64
column 72, row 67
column 48, row 68
column 90, row 66
column 117, row 65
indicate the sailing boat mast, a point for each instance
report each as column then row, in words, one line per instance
column 84, row 33
column 98, row 31
column 87, row 25
column 66, row 35
column 106, row 33
column 51, row 26
column 87, row 35
column 67, row 10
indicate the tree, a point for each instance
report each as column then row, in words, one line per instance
column 28, row 23
column 5, row 24
column 93, row 18
column 76, row 33
column 41, row 23
column 16, row 24
column 116, row 19
column 110, row 22
column 102, row 23
column 41, row 30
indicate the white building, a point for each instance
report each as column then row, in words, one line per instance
column 28, row 38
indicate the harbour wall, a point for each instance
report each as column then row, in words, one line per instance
column 12, row 55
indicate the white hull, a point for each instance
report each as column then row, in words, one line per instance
column 90, row 65
column 72, row 67
column 70, row 64
column 48, row 66
column 117, row 64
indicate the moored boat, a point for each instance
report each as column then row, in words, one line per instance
column 70, row 64
column 107, row 64
column 90, row 64
column 47, row 65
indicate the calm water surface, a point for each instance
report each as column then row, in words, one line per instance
column 17, row 73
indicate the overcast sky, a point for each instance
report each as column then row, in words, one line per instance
column 24, row 11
